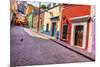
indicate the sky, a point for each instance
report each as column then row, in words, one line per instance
column 33, row 3
column 36, row 3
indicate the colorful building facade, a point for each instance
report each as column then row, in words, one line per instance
column 30, row 13
column 75, row 26
column 41, row 21
column 52, row 21
column 30, row 8
column 35, row 22
column 30, row 20
column 47, row 23
column 38, row 21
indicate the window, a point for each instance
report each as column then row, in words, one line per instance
column 47, row 27
column 64, row 31
column 54, row 4
column 49, row 6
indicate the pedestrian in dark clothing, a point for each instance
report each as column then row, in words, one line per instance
column 57, row 35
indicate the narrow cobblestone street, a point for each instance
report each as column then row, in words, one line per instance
column 27, row 50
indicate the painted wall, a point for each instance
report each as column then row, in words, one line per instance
column 74, row 11
column 41, row 23
column 51, row 13
column 30, row 8
column 47, row 21
column 56, row 12
column 35, row 21
column 30, row 22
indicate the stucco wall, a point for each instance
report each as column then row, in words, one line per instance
column 35, row 21
column 47, row 21
column 28, row 10
column 30, row 20
column 51, row 13
column 41, row 22
column 73, row 12
column 76, row 10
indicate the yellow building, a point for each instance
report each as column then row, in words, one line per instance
column 30, row 8
column 47, row 22
column 52, row 21
column 29, row 14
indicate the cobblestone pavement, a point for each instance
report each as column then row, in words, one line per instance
column 27, row 50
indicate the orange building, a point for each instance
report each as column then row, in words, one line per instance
column 75, row 25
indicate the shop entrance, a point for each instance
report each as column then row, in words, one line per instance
column 78, row 39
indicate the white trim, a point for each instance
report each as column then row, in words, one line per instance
column 79, row 17
column 90, row 38
column 84, row 33
column 93, row 10
column 91, row 29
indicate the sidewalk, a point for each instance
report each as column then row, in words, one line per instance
column 33, row 33
column 86, row 54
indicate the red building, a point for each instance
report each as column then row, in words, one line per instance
column 75, row 25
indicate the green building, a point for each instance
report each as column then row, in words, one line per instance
column 30, row 20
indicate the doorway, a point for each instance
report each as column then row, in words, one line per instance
column 47, row 27
column 53, row 29
column 78, row 39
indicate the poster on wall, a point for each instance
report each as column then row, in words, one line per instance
column 51, row 33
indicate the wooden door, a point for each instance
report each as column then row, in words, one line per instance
column 78, row 41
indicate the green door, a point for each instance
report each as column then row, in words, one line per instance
column 53, row 29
